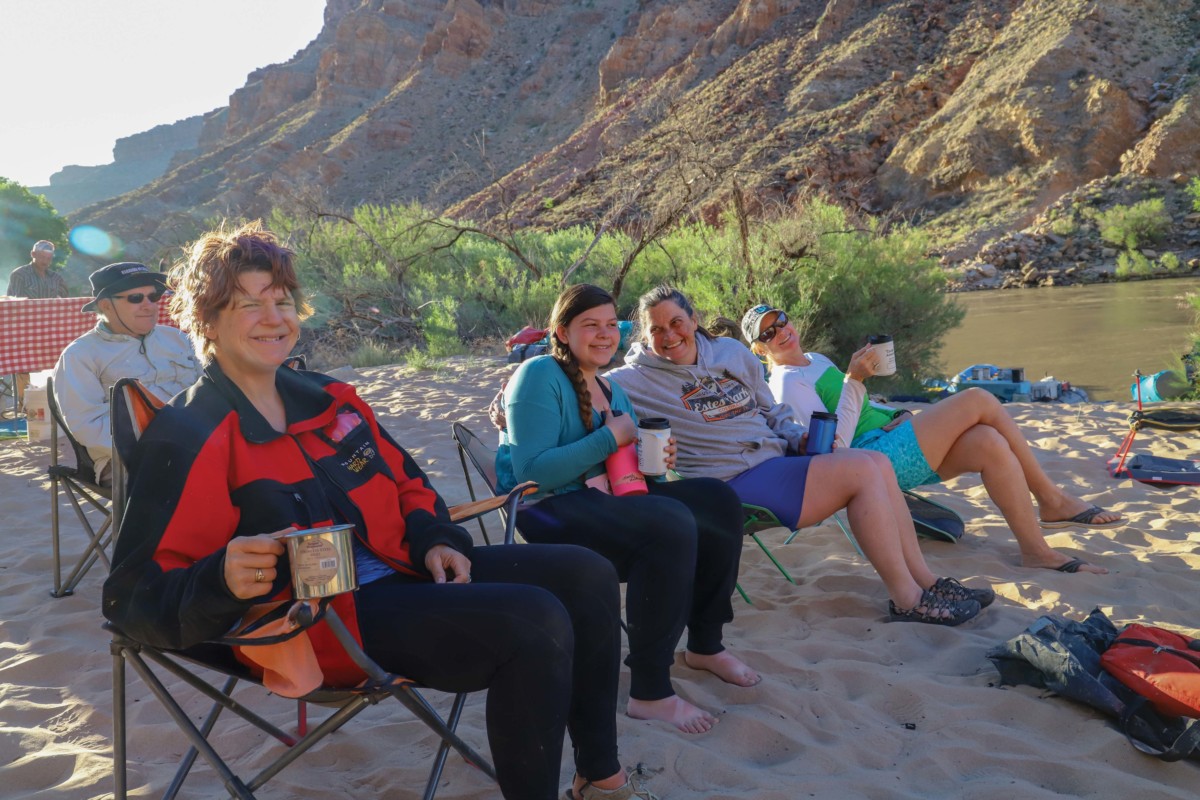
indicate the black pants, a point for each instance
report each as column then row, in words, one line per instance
column 677, row 548
column 538, row 627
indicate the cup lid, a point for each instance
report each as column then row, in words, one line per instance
column 655, row 423
column 879, row 338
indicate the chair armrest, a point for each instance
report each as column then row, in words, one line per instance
column 469, row 511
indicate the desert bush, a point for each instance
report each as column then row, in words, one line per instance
column 1193, row 188
column 402, row 277
column 1064, row 226
column 1130, row 226
column 1132, row 264
column 374, row 354
column 1169, row 261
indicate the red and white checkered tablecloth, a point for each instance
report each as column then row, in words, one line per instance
column 33, row 333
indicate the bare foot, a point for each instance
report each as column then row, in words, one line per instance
column 1065, row 507
column 1054, row 559
column 725, row 666
column 675, row 710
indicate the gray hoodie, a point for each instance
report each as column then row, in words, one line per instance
column 722, row 414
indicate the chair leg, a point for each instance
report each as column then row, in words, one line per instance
column 439, row 761
column 406, row 694
column 774, row 560
column 98, row 539
column 189, row 758
column 837, row 518
column 742, row 592
column 54, row 551
column 232, row 783
column 119, row 752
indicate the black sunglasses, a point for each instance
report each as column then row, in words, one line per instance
column 136, row 298
column 769, row 332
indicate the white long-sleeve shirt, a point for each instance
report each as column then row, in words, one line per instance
column 163, row 361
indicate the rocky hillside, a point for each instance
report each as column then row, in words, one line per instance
column 137, row 160
column 970, row 116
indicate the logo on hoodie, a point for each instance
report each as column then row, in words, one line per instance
column 717, row 399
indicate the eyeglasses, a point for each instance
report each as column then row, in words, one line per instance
column 136, row 298
column 769, row 332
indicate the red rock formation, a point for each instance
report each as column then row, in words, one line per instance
column 926, row 107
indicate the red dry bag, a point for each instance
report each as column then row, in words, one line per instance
column 1160, row 665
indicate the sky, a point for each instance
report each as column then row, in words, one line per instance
column 76, row 75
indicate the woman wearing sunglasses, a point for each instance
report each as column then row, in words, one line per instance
column 727, row 426
column 968, row 432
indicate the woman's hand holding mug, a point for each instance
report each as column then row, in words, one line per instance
column 863, row 364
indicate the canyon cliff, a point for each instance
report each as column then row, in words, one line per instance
column 970, row 116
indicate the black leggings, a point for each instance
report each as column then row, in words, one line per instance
column 678, row 548
column 538, row 628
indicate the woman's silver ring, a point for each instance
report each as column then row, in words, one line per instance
column 259, row 577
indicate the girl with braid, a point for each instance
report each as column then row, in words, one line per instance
column 677, row 548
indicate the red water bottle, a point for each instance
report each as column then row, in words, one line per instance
column 622, row 468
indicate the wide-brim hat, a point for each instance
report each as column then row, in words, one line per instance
column 754, row 318
column 115, row 278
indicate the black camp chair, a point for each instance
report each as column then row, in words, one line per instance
column 83, row 491
column 132, row 409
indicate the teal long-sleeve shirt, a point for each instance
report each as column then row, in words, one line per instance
column 546, row 441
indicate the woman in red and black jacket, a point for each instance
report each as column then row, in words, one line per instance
column 254, row 448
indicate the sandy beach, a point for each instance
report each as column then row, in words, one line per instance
column 850, row 706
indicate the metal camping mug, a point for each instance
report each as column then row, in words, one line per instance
column 322, row 561
column 821, row 430
column 886, row 350
column 653, row 435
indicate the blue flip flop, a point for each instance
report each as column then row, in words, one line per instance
column 1084, row 519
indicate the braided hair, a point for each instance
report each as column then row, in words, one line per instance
column 571, row 303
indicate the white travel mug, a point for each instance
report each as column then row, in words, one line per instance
column 884, row 348
column 653, row 434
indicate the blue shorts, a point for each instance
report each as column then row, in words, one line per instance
column 900, row 446
column 777, row 485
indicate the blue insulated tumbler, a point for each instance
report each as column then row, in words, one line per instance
column 821, row 430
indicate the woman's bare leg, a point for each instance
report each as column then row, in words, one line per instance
column 939, row 427
column 850, row 479
column 982, row 449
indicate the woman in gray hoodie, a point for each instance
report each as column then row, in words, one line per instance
column 727, row 425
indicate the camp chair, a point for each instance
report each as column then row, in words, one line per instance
column 1156, row 470
column 132, row 409
column 79, row 485
column 483, row 459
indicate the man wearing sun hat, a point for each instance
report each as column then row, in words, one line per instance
column 127, row 342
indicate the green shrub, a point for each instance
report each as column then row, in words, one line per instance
column 1130, row 226
column 1064, row 226
column 404, row 275
column 420, row 360
column 1193, row 188
column 1131, row 264
column 374, row 354
column 1169, row 261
